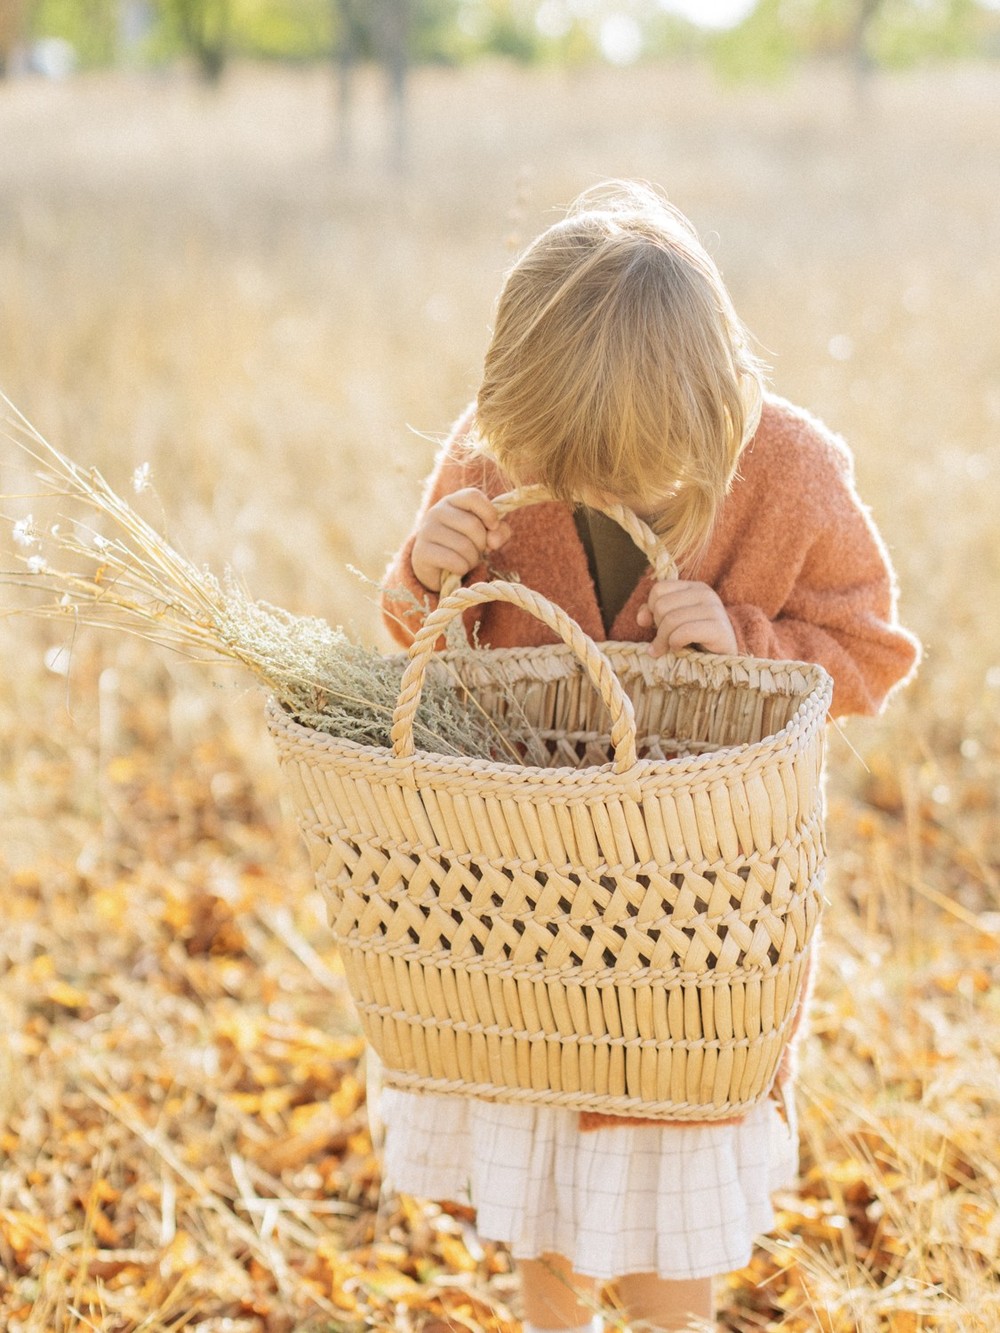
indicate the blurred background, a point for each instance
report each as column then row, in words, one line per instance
column 254, row 245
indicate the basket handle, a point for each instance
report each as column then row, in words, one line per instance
column 596, row 664
column 641, row 533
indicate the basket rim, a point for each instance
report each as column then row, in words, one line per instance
column 809, row 715
column 665, row 666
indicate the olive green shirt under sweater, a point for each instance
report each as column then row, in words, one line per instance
column 616, row 564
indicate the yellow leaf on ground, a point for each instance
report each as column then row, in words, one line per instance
column 180, row 1256
column 455, row 1255
column 24, row 1233
column 904, row 1321
column 389, row 1284
column 346, row 1100
column 104, row 1229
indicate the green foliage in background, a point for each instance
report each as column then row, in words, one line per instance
column 904, row 33
column 92, row 29
column 775, row 35
column 868, row 33
column 277, row 29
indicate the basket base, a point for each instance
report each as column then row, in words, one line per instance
column 688, row 1073
column 630, row 1107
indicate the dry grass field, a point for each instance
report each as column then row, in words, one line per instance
column 197, row 283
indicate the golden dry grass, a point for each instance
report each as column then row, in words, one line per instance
column 195, row 282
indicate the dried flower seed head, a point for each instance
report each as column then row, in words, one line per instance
column 24, row 532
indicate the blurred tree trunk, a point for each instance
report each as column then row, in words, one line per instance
column 383, row 29
column 861, row 58
column 12, row 14
column 204, row 29
column 394, row 19
column 345, row 56
column 136, row 21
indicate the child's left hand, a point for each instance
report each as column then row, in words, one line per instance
column 686, row 615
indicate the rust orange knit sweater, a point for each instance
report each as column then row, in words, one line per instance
column 794, row 556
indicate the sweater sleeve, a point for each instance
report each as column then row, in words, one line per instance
column 839, row 606
column 865, row 663
column 405, row 602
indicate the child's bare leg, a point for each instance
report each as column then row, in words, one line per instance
column 553, row 1296
column 654, row 1303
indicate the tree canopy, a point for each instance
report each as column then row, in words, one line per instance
column 768, row 40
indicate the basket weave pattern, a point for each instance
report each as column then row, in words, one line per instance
column 624, row 926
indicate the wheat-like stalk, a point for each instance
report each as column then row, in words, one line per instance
column 136, row 581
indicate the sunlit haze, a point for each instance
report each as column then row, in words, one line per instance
column 710, row 13
column 620, row 35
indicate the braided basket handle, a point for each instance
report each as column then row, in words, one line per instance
column 596, row 664
column 641, row 533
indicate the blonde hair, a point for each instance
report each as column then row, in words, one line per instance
column 618, row 365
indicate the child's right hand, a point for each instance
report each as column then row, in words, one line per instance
column 454, row 535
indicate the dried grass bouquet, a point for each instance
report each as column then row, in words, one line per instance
column 134, row 580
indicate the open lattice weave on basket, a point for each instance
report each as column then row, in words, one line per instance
column 626, row 929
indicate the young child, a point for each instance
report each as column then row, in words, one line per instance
column 618, row 370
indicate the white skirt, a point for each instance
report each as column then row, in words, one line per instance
column 682, row 1201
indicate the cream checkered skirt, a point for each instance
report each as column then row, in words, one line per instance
column 683, row 1201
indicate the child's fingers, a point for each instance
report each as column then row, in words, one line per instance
column 678, row 602
column 454, row 535
column 474, row 515
column 451, row 551
column 713, row 632
column 677, row 593
column 499, row 535
column 477, row 504
column 453, row 524
column 432, row 558
column 687, row 614
column 687, row 634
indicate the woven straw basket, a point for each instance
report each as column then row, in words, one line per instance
column 626, row 929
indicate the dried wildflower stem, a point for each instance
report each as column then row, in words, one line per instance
column 135, row 580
